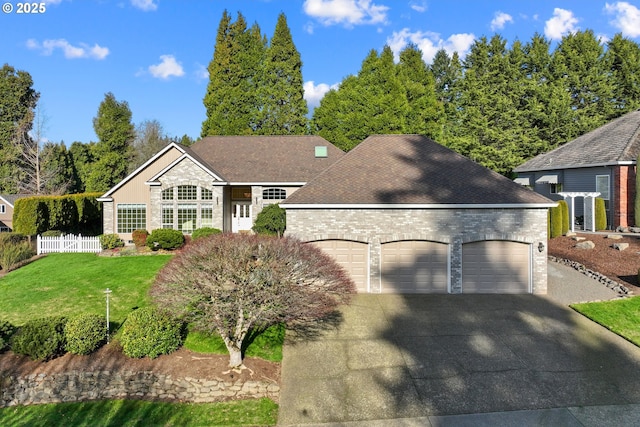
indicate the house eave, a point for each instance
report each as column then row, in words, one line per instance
column 286, row 205
column 589, row 165
column 268, row 183
column 105, row 199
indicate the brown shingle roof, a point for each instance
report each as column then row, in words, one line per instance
column 618, row 140
column 410, row 169
column 265, row 158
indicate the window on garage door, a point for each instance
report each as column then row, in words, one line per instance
column 415, row 266
column 352, row 256
column 496, row 266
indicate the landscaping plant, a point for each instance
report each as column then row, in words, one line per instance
column 601, row 214
column 12, row 253
column 6, row 331
column 236, row 283
column 165, row 238
column 85, row 333
column 139, row 237
column 204, row 232
column 40, row 339
column 151, row 332
column 272, row 221
column 110, row 241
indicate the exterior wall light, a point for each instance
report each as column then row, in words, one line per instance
column 540, row 247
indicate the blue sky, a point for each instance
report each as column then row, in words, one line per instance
column 154, row 53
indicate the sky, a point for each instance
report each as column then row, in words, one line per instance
column 154, row 53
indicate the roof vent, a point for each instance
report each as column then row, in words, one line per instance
column 321, row 151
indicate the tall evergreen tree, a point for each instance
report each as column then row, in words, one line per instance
column 231, row 100
column 283, row 107
column 113, row 151
column 425, row 115
column 578, row 62
column 18, row 101
column 623, row 62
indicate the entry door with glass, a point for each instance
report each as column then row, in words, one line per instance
column 241, row 216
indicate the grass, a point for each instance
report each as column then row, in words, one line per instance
column 118, row 413
column 67, row 284
column 619, row 316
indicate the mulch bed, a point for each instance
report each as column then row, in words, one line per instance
column 621, row 266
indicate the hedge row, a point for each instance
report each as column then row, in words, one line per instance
column 72, row 213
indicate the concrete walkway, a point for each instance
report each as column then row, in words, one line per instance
column 444, row 360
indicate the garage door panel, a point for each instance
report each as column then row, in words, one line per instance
column 415, row 266
column 496, row 266
column 352, row 256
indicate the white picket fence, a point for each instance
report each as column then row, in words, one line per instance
column 68, row 243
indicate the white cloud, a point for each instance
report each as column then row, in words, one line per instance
column 430, row 43
column 83, row 50
column 499, row 20
column 563, row 22
column 314, row 93
column 346, row 12
column 167, row 67
column 627, row 18
column 145, row 5
column 419, row 6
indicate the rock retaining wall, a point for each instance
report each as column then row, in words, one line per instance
column 81, row 386
column 611, row 284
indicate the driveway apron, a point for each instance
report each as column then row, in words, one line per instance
column 413, row 356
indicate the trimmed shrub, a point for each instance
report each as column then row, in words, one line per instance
column 52, row 233
column 30, row 216
column 40, row 339
column 565, row 216
column 139, row 237
column 85, row 333
column 556, row 221
column 110, row 241
column 204, row 232
column 13, row 253
column 150, row 332
column 272, row 221
column 6, row 331
column 165, row 238
column 601, row 214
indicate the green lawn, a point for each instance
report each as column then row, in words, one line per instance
column 119, row 413
column 620, row 316
column 67, row 284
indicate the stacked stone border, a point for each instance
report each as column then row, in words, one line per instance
column 619, row 288
column 75, row 386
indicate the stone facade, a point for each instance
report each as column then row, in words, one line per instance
column 454, row 227
column 81, row 386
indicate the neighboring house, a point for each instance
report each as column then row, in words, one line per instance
column 404, row 214
column 601, row 161
column 221, row 182
column 7, row 201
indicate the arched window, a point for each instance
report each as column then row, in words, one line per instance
column 274, row 194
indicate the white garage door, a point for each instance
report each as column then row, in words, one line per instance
column 496, row 266
column 415, row 266
column 352, row 256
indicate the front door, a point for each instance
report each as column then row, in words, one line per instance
column 241, row 216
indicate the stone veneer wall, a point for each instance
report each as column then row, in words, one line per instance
column 82, row 386
column 451, row 226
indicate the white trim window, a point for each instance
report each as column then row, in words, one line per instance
column 131, row 216
column 187, row 207
column 3, row 208
column 555, row 188
column 603, row 187
column 274, row 194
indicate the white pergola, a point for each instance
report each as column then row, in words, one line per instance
column 589, row 208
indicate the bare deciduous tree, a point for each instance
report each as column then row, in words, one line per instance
column 235, row 283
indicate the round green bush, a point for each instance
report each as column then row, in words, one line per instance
column 165, row 238
column 110, row 241
column 85, row 333
column 150, row 332
column 204, row 232
column 6, row 331
column 40, row 339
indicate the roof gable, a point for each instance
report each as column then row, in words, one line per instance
column 410, row 170
column 615, row 142
column 249, row 159
column 10, row 199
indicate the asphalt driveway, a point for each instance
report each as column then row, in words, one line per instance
column 423, row 357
